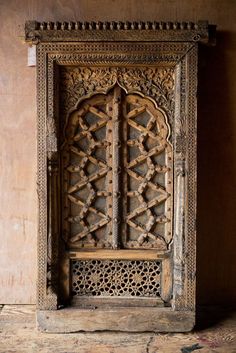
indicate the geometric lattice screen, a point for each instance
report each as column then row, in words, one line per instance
column 116, row 278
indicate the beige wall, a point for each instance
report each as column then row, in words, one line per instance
column 217, row 137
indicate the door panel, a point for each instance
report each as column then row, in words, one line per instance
column 87, row 175
column 117, row 200
column 147, row 175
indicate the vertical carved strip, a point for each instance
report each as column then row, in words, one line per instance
column 109, row 158
column 179, row 235
column 179, row 165
column 124, row 181
column 52, row 192
column 185, row 194
column 42, row 302
column 190, row 249
column 116, row 144
column 66, row 204
column 52, row 244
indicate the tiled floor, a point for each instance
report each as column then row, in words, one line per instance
column 215, row 333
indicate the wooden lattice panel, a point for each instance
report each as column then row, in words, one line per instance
column 148, row 177
column 116, row 278
column 117, row 174
column 87, row 163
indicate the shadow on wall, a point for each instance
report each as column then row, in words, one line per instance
column 216, row 242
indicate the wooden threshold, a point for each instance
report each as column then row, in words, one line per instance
column 133, row 319
column 104, row 254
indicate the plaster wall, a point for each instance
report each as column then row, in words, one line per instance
column 217, row 137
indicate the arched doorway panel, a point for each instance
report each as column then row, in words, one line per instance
column 117, row 185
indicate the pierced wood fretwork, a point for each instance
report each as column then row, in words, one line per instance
column 122, row 278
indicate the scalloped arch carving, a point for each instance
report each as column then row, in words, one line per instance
column 80, row 83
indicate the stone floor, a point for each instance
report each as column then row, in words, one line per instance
column 215, row 332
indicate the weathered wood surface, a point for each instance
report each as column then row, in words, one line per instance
column 86, row 302
column 106, row 254
column 19, row 335
column 131, row 319
column 81, row 31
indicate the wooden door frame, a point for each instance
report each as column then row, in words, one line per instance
column 124, row 45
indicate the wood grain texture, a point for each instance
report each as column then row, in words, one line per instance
column 131, row 319
column 116, row 31
column 216, row 206
column 94, row 302
column 119, row 254
column 18, row 334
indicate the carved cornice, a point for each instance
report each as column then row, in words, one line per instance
column 36, row 32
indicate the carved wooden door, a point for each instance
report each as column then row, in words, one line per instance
column 116, row 174
column 117, row 197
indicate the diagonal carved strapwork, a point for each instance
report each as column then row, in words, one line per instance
column 88, row 175
column 117, row 174
column 148, row 168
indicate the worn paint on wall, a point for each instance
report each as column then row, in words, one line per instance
column 217, row 137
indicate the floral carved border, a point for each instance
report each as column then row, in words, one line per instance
column 156, row 83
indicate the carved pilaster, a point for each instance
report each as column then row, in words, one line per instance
column 179, row 235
